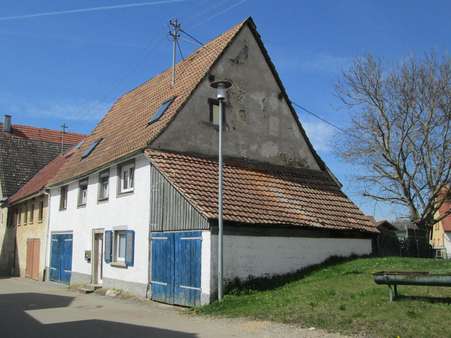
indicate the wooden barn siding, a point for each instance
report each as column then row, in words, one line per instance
column 169, row 210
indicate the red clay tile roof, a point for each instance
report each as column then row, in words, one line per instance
column 40, row 180
column 43, row 134
column 262, row 194
column 125, row 129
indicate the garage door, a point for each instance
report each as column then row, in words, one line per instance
column 61, row 259
column 176, row 267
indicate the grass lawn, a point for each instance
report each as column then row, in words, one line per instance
column 343, row 297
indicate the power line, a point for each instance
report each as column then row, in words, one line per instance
column 318, row 117
column 192, row 37
column 89, row 9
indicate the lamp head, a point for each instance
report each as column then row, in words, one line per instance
column 221, row 87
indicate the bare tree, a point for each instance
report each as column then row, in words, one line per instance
column 400, row 131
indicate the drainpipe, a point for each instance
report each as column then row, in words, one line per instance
column 46, row 262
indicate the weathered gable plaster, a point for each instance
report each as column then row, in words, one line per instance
column 258, row 123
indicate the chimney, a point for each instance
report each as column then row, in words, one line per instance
column 7, row 124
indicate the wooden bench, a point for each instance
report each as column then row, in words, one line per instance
column 395, row 278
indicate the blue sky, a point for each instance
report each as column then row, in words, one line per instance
column 70, row 68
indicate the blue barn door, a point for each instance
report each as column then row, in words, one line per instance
column 61, row 258
column 187, row 290
column 162, row 281
column 176, row 267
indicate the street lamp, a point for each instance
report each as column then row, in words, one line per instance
column 221, row 89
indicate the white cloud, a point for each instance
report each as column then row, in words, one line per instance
column 320, row 134
column 65, row 110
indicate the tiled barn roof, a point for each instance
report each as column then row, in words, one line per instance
column 261, row 193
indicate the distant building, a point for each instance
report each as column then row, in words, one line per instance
column 24, row 150
column 441, row 231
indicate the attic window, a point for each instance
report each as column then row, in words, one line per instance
column 91, row 148
column 160, row 111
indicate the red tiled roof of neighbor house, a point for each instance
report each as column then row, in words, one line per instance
column 445, row 207
column 40, row 180
column 124, row 130
column 262, row 194
column 44, row 134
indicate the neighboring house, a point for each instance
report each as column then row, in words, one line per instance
column 29, row 210
column 441, row 231
column 24, row 150
column 406, row 229
column 385, row 227
column 135, row 207
column 386, row 243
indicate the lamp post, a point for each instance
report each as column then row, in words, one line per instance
column 221, row 89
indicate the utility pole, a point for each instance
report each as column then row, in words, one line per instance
column 175, row 34
column 63, row 127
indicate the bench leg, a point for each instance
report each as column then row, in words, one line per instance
column 392, row 292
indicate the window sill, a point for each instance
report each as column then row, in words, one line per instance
column 103, row 200
column 81, row 206
column 62, row 209
column 125, row 193
column 119, row 265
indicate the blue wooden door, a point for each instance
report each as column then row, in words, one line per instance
column 162, row 281
column 176, row 267
column 187, row 288
column 61, row 258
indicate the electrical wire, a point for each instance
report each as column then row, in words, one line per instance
column 318, row 117
column 192, row 37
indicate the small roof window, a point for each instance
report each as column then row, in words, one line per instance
column 91, row 148
column 160, row 111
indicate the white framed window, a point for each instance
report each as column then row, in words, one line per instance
column 82, row 192
column 63, row 197
column 120, row 245
column 127, row 177
column 104, row 182
column 214, row 112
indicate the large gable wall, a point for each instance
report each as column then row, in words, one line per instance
column 259, row 124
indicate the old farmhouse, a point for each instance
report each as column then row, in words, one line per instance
column 134, row 207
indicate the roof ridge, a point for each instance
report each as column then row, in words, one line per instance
column 44, row 128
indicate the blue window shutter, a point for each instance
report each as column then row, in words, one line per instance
column 130, row 248
column 108, row 246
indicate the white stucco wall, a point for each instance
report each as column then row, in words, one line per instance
column 447, row 243
column 127, row 211
column 259, row 256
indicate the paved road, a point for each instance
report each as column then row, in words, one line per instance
column 30, row 309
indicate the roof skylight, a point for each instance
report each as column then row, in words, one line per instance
column 91, row 148
column 160, row 111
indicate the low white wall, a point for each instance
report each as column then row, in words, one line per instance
column 259, row 256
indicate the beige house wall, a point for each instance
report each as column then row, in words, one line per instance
column 6, row 243
column 30, row 226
